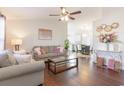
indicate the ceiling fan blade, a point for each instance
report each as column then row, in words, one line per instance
column 77, row 12
column 54, row 14
column 71, row 17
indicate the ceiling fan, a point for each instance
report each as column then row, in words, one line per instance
column 66, row 15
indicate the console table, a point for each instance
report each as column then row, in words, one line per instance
column 117, row 55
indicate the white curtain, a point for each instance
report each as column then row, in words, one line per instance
column 2, row 32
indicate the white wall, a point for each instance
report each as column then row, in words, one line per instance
column 80, row 32
column 83, row 25
column 28, row 31
column 110, row 15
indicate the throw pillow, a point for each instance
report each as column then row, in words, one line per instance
column 38, row 50
column 56, row 50
column 61, row 49
column 11, row 57
column 43, row 51
column 23, row 58
column 4, row 62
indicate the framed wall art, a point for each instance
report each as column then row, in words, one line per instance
column 45, row 34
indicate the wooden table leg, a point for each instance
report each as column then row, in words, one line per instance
column 49, row 65
column 76, row 62
column 55, row 68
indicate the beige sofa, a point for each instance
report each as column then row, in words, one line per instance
column 28, row 73
column 49, row 52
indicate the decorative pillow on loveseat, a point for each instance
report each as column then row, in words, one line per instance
column 38, row 50
column 43, row 51
column 56, row 50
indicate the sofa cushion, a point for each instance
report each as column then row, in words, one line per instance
column 4, row 61
column 42, row 56
column 47, row 55
column 19, row 70
column 51, row 54
column 51, row 48
column 45, row 48
column 23, row 58
column 61, row 54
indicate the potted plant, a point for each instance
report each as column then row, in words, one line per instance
column 66, row 44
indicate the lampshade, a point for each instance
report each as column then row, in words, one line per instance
column 16, row 42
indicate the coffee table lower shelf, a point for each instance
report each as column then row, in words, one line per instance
column 55, row 65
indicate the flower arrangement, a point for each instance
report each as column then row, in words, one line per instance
column 106, row 34
column 108, row 38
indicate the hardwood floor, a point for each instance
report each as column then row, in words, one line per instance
column 87, row 74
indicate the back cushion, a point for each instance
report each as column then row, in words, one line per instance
column 51, row 49
column 45, row 48
column 4, row 61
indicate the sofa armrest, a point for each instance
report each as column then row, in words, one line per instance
column 18, row 70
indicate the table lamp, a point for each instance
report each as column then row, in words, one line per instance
column 16, row 43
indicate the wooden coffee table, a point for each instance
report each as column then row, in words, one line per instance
column 59, row 62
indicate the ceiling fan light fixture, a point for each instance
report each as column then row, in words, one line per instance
column 65, row 15
column 63, row 10
column 66, row 18
column 62, row 18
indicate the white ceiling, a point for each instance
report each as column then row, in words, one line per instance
column 43, row 12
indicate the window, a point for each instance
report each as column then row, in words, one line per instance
column 2, row 32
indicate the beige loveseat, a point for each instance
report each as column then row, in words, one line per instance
column 49, row 52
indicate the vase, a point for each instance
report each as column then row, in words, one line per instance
column 107, row 46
